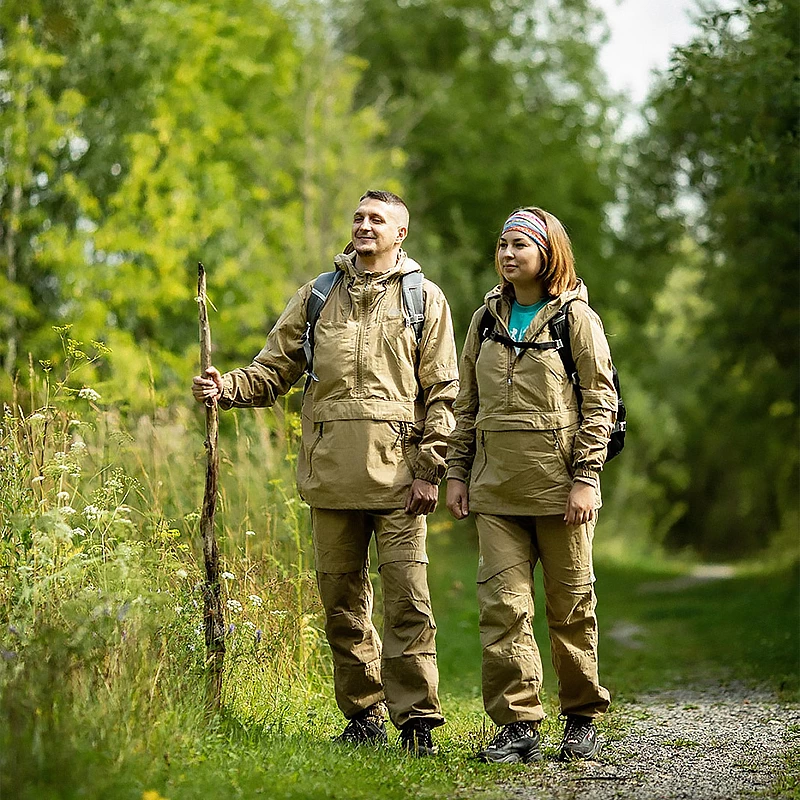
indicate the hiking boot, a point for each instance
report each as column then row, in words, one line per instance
column 366, row 727
column 415, row 736
column 580, row 738
column 516, row 742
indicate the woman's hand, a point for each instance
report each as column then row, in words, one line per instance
column 208, row 387
column 580, row 504
column 457, row 498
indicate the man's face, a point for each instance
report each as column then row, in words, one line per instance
column 378, row 227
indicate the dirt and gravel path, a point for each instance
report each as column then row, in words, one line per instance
column 716, row 743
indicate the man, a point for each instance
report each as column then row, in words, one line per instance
column 375, row 420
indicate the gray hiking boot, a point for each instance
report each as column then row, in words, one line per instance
column 580, row 738
column 516, row 742
column 366, row 727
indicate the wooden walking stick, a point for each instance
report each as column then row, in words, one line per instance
column 212, row 599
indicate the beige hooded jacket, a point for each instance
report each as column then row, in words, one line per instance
column 381, row 411
column 520, row 438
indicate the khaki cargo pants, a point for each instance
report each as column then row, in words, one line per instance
column 402, row 669
column 510, row 547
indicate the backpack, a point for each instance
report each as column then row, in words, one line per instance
column 413, row 305
column 559, row 331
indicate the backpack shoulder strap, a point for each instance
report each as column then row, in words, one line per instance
column 486, row 330
column 559, row 330
column 414, row 301
column 486, row 326
column 320, row 292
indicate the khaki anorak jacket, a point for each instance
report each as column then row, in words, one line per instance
column 520, row 438
column 380, row 413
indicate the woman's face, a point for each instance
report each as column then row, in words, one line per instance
column 520, row 260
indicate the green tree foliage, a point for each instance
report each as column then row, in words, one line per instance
column 713, row 231
column 198, row 131
column 497, row 105
column 41, row 197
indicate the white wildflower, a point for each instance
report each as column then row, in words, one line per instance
column 179, row 609
column 67, row 511
column 38, row 479
column 278, row 613
column 255, row 600
column 181, row 573
column 79, row 532
column 92, row 513
column 235, row 606
column 75, row 423
column 77, row 447
column 62, row 497
column 248, row 624
column 249, row 533
column 228, row 576
column 88, row 394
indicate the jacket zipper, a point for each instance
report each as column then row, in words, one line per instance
column 510, row 362
column 361, row 336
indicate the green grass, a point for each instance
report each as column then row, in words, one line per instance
column 101, row 691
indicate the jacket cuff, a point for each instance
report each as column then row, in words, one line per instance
column 458, row 474
column 433, row 476
column 588, row 476
column 225, row 400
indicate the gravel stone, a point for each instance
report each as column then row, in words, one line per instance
column 717, row 743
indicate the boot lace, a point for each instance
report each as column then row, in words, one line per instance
column 576, row 729
column 510, row 733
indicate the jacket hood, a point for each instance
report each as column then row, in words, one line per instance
column 346, row 262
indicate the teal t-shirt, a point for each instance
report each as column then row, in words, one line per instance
column 521, row 317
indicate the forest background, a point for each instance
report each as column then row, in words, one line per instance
column 138, row 137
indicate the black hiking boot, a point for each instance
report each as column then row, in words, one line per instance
column 415, row 736
column 516, row 742
column 366, row 727
column 580, row 738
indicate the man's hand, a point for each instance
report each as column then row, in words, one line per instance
column 580, row 504
column 208, row 387
column 422, row 498
column 457, row 498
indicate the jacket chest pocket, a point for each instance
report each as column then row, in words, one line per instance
column 539, row 379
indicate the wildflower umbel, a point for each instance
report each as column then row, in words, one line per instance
column 88, row 394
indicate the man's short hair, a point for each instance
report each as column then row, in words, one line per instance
column 385, row 197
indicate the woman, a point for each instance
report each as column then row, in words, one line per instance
column 525, row 457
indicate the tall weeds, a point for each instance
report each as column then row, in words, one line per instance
column 101, row 640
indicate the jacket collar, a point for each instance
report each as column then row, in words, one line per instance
column 498, row 301
column 346, row 262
